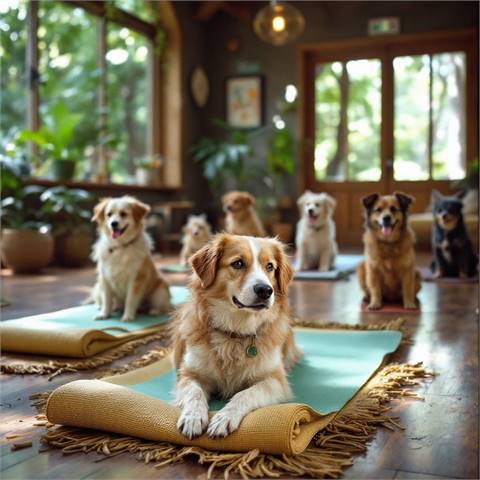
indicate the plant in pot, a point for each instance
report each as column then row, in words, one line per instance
column 280, row 163
column 26, row 242
column 147, row 171
column 68, row 211
column 55, row 138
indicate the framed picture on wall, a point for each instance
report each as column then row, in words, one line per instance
column 244, row 101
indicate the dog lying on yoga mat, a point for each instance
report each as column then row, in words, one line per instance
column 196, row 233
column 127, row 277
column 233, row 337
column 453, row 254
column 315, row 239
column 388, row 272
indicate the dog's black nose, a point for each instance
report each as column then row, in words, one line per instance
column 387, row 220
column 311, row 211
column 263, row 290
column 114, row 224
column 444, row 216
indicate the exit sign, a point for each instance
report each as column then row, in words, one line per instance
column 384, row 26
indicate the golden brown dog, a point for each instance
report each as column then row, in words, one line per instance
column 196, row 233
column 127, row 277
column 241, row 218
column 388, row 272
column 233, row 337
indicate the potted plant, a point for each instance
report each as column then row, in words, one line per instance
column 68, row 211
column 280, row 163
column 26, row 242
column 224, row 161
column 54, row 139
column 148, row 169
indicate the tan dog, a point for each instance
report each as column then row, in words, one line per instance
column 315, row 239
column 127, row 277
column 388, row 272
column 233, row 337
column 196, row 233
column 241, row 218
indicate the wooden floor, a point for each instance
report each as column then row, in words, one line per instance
column 441, row 433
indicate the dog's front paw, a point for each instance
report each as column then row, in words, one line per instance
column 127, row 318
column 409, row 305
column 374, row 305
column 102, row 316
column 223, row 423
column 192, row 424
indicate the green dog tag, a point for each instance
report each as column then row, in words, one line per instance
column 252, row 351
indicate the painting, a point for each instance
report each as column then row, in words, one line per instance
column 245, row 101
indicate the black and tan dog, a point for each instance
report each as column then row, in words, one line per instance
column 453, row 254
column 388, row 272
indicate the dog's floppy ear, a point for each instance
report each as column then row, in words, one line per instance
column 205, row 262
column 330, row 202
column 248, row 198
column 99, row 210
column 404, row 200
column 301, row 200
column 370, row 200
column 139, row 209
column 284, row 272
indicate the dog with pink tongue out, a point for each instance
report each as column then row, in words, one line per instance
column 388, row 273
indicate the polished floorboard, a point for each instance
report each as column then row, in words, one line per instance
column 440, row 439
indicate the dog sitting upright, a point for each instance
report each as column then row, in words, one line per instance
column 315, row 239
column 127, row 277
column 388, row 272
column 241, row 218
column 196, row 233
column 453, row 254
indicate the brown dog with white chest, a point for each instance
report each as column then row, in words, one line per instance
column 241, row 218
column 233, row 338
column 388, row 272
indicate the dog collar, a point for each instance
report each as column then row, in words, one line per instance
column 123, row 245
column 251, row 351
column 317, row 229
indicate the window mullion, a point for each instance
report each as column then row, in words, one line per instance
column 33, row 117
column 102, row 161
column 430, row 116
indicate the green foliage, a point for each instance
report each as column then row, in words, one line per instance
column 66, row 208
column 226, row 160
column 22, row 211
column 55, row 136
column 280, row 157
column 12, row 170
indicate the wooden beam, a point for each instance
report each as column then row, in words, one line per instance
column 206, row 10
column 33, row 97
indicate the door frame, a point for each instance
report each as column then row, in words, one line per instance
column 384, row 49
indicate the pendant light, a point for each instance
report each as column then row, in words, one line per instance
column 278, row 23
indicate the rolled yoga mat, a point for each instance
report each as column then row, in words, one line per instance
column 74, row 332
column 334, row 367
column 344, row 265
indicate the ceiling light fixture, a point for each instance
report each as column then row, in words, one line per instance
column 278, row 23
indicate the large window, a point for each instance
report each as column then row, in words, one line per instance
column 93, row 63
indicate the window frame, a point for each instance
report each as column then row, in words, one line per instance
column 157, row 128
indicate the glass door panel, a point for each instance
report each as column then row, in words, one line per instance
column 347, row 121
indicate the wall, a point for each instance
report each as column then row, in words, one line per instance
column 324, row 21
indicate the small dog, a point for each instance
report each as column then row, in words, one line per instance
column 315, row 238
column 388, row 272
column 233, row 337
column 453, row 254
column 196, row 233
column 127, row 276
column 241, row 218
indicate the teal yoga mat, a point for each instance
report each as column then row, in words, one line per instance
column 333, row 368
column 344, row 265
column 175, row 268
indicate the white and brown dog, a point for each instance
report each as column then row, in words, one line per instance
column 233, row 337
column 196, row 233
column 127, row 277
column 315, row 238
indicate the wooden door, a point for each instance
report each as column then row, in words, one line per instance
column 353, row 114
